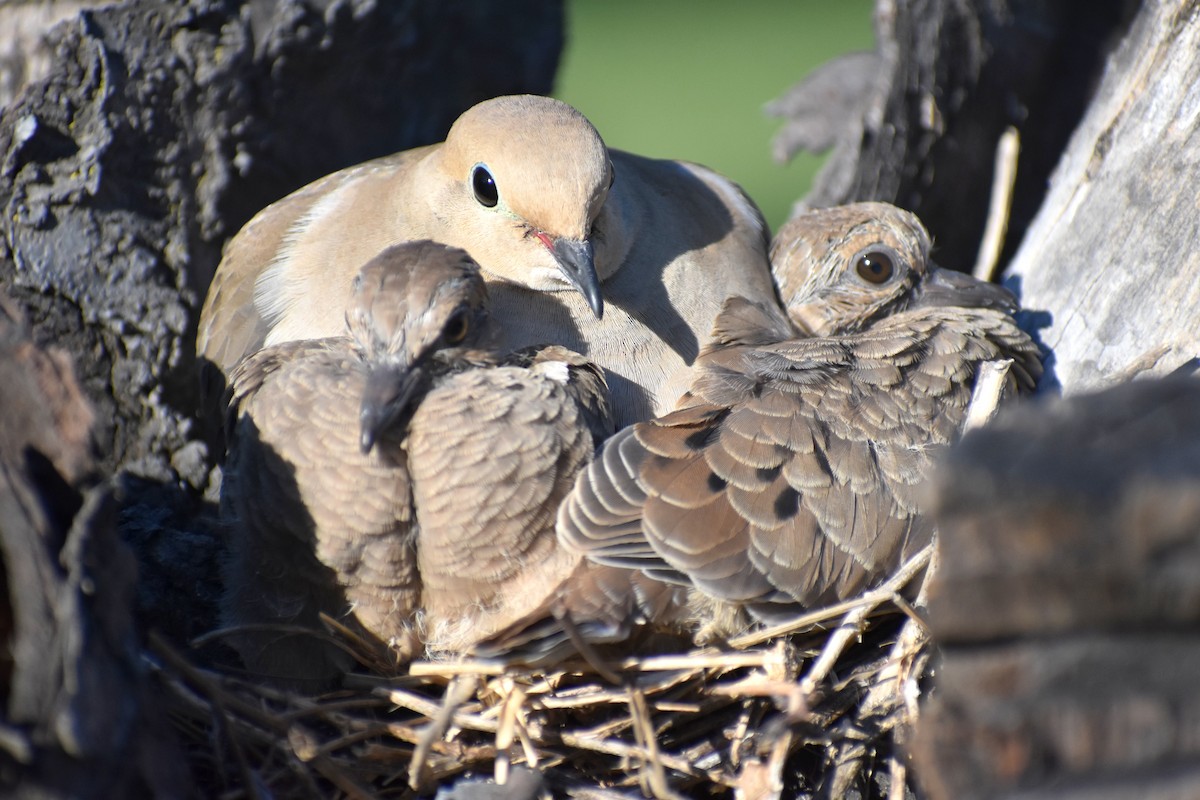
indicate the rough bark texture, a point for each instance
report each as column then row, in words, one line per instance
column 948, row 78
column 1106, row 270
column 145, row 134
column 81, row 718
column 26, row 54
column 1067, row 601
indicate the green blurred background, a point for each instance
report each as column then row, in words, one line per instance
column 689, row 78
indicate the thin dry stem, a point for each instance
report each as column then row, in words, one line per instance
column 1004, row 176
column 873, row 599
column 457, row 693
column 991, row 379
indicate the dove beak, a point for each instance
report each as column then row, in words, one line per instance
column 387, row 400
column 576, row 259
column 946, row 287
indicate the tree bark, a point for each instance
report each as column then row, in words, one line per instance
column 950, row 76
column 1067, row 602
column 26, row 54
column 82, row 718
column 1105, row 270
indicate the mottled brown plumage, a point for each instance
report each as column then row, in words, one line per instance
column 403, row 475
column 792, row 473
column 561, row 227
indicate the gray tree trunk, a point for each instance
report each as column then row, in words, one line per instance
column 1107, row 270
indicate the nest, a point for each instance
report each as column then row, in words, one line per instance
column 817, row 708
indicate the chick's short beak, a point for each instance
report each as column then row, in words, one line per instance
column 386, row 400
column 945, row 287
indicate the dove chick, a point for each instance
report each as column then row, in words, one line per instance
column 792, row 473
column 621, row 258
column 401, row 478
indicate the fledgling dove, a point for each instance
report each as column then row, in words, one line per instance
column 563, row 228
column 402, row 473
column 792, row 473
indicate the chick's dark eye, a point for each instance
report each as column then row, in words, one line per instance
column 875, row 267
column 456, row 328
column 485, row 187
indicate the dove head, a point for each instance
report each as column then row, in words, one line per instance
column 840, row 269
column 414, row 306
column 525, row 179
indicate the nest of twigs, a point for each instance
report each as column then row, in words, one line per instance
column 817, row 708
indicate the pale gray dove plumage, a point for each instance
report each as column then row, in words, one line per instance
column 563, row 228
column 402, row 474
column 792, row 473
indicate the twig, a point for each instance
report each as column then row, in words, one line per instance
column 429, row 708
column 375, row 731
column 1004, row 176
column 990, row 381
column 337, row 776
column 513, row 697
column 456, row 694
column 1143, row 363
column 852, row 623
column 904, row 656
column 585, row 649
column 909, row 611
column 898, row 775
column 643, row 731
column 525, row 738
column 703, row 659
column 872, row 599
column 775, row 763
column 699, row 661
column 307, row 708
column 219, row 715
column 739, row 736
column 611, row 747
column 424, row 669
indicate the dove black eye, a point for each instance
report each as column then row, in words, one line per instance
column 874, row 266
column 485, row 186
column 456, row 327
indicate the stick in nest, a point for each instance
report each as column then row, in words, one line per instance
column 991, row 379
column 1004, row 176
column 871, row 600
column 653, row 773
column 852, row 624
column 460, row 690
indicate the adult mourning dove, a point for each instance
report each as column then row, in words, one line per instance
column 564, row 230
column 791, row 474
column 402, row 472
